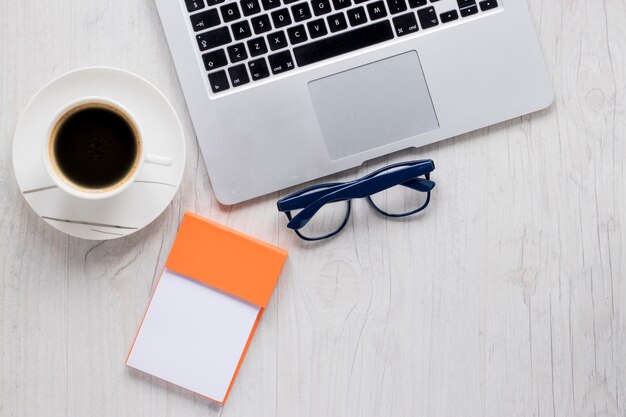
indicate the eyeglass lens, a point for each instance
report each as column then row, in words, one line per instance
column 327, row 221
column 399, row 200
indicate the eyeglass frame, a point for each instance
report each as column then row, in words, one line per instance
column 311, row 202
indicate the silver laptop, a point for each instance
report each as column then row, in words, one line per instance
column 285, row 91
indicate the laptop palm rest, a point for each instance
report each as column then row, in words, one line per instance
column 373, row 105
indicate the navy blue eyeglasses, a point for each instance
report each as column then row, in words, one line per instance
column 322, row 211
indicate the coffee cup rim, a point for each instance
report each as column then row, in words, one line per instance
column 67, row 186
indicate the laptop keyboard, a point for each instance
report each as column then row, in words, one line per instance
column 245, row 41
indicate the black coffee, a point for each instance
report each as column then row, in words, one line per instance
column 95, row 147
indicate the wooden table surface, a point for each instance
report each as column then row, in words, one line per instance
column 504, row 299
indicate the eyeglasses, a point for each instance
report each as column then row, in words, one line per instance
column 322, row 211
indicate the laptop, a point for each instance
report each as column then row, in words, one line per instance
column 281, row 92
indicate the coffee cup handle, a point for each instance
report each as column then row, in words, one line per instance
column 158, row 160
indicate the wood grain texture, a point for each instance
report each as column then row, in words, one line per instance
column 504, row 299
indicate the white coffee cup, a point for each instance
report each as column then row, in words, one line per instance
column 72, row 187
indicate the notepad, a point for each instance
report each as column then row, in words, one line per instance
column 205, row 309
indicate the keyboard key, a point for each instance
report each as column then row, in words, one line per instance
column 317, row 28
column 193, row 5
column 352, row 40
column 341, row 4
column 281, row 18
column 289, row 1
column 250, row 7
column 360, row 1
column 241, row 30
column 468, row 11
column 396, row 6
column 237, row 52
column 213, row 38
column 270, row 4
column 214, row 2
column 281, row 62
column 297, row 34
column 218, row 81
column 277, row 40
column 214, row 60
column 357, row 16
column 205, row 20
column 465, row 3
column 301, row 12
column 258, row 69
column 405, row 24
column 257, row 46
column 261, row 24
column 230, row 12
column 449, row 16
column 321, row 7
column 417, row 3
column 337, row 22
column 376, row 10
column 428, row 17
column 238, row 75
column 488, row 5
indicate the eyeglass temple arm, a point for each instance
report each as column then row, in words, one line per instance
column 358, row 189
column 420, row 184
column 299, row 201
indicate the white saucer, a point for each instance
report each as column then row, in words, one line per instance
column 136, row 206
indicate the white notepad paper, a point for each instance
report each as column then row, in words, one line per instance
column 193, row 335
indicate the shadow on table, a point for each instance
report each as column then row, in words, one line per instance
column 171, row 388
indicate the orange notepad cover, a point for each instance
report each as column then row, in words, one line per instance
column 206, row 307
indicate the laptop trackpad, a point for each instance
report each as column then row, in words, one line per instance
column 373, row 105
